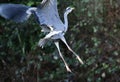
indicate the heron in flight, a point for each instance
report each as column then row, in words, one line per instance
column 48, row 18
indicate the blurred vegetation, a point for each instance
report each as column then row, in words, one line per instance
column 94, row 33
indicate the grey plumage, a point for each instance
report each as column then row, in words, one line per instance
column 48, row 15
column 49, row 20
column 15, row 12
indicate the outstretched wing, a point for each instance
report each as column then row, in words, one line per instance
column 15, row 12
column 47, row 14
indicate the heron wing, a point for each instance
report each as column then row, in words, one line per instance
column 47, row 14
column 15, row 12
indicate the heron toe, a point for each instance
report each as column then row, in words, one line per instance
column 42, row 42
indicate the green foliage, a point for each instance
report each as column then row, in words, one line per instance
column 93, row 33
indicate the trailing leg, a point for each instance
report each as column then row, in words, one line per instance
column 66, row 65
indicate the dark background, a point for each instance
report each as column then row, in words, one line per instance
column 94, row 33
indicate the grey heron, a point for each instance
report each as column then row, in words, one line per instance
column 48, row 18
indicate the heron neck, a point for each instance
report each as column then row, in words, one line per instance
column 65, row 21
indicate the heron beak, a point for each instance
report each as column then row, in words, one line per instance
column 73, row 8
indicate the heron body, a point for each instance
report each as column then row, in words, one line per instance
column 48, row 18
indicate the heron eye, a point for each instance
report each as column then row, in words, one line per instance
column 68, row 8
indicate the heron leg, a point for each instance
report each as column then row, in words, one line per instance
column 66, row 65
column 64, row 40
column 43, row 41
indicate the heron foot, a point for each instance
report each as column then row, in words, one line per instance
column 41, row 43
column 79, row 59
column 67, row 67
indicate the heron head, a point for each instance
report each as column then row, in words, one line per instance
column 69, row 10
